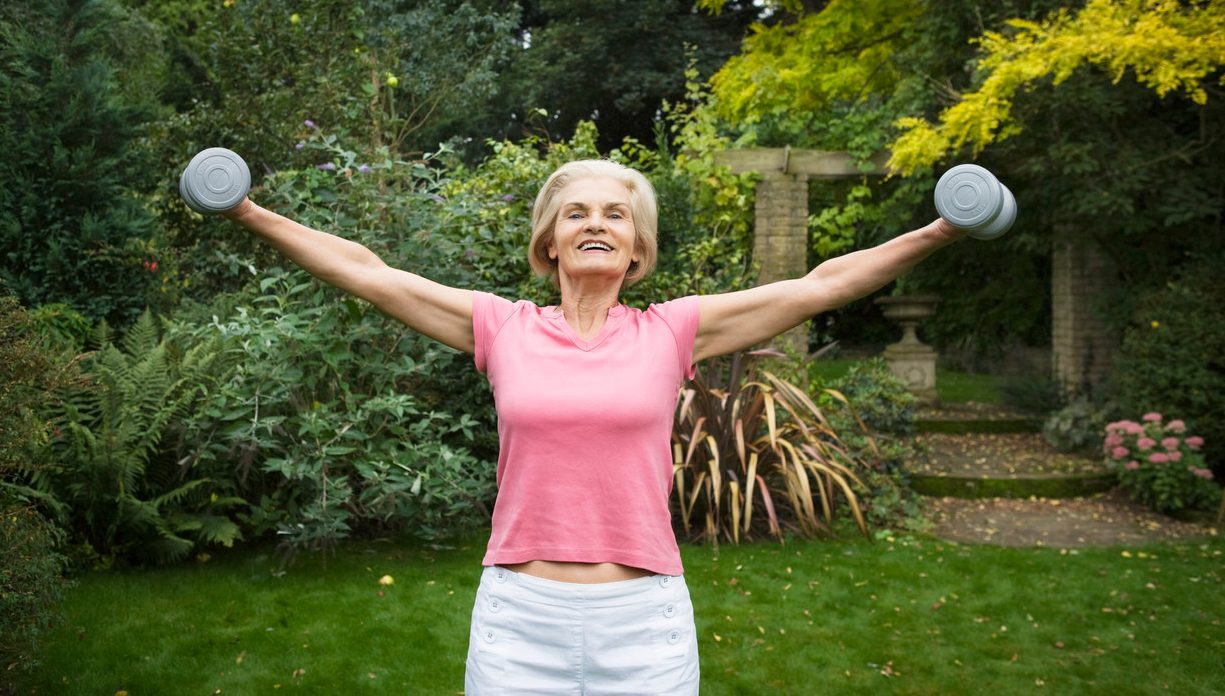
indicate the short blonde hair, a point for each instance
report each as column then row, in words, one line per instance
column 643, row 210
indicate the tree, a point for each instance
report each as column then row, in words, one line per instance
column 71, row 225
column 612, row 63
column 1038, row 92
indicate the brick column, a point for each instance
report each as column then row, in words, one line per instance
column 1082, row 344
column 780, row 237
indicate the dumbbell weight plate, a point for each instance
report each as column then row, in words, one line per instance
column 1003, row 221
column 215, row 181
column 969, row 197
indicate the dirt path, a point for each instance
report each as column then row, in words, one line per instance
column 1108, row 519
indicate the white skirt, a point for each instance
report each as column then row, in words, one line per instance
column 535, row 636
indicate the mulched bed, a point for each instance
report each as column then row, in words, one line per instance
column 1108, row 519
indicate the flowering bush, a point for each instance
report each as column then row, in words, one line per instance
column 1159, row 464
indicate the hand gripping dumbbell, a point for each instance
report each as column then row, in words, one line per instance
column 971, row 198
column 214, row 181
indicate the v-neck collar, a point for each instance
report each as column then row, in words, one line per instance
column 611, row 323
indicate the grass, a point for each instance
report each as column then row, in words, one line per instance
column 902, row 616
column 953, row 387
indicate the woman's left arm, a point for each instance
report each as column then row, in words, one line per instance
column 737, row 320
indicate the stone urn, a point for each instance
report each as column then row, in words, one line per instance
column 913, row 361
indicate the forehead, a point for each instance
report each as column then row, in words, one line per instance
column 595, row 191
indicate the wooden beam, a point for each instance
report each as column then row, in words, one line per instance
column 816, row 164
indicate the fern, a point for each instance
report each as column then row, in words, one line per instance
column 126, row 495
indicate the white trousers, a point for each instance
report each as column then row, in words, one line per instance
column 535, row 636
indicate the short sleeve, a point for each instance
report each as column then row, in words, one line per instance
column 681, row 316
column 489, row 314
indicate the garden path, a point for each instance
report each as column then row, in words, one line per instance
column 992, row 447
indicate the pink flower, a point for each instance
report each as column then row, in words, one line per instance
column 1113, row 440
column 1151, row 417
column 1133, row 428
column 1176, row 426
column 1195, row 442
column 1175, row 456
column 1119, row 452
column 1158, row 458
column 1202, row 473
column 1145, row 443
column 1132, row 465
column 1170, row 443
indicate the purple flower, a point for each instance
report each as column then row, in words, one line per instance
column 308, row 123
column 509, row 197
column 326, row 166
column 300, row 145
column 363, row 168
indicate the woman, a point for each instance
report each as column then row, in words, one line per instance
column 583, row 590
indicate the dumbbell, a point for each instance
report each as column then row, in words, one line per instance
column 971, row 198
column 214, row 181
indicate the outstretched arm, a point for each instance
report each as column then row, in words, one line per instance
column 737, row 320
column 440, row 312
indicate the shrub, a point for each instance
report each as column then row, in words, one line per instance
column 754, row 456
column 330, row 424
column 1076, row 427
column 877, row 422
column 30, row 563
column 1173, row 354
column 1159, row 464
column 31, row 582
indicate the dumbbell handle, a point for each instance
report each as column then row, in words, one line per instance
column 971, row 198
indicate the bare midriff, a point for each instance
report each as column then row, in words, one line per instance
column 583, row 573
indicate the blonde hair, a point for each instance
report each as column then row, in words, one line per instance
column 643, row 210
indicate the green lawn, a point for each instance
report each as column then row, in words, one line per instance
column 847, row 616
column 952, row 386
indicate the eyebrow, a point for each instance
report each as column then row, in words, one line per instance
column 583, row 206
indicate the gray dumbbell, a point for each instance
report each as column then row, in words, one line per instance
column 214, row 181
column 972, row 199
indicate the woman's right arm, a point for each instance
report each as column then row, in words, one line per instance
column 438, row 311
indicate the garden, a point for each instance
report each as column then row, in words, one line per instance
column 218, row 474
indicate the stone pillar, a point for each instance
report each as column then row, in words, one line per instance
column 780, row 242
column 1082, row 344
column 911, row 360
column 780, row 246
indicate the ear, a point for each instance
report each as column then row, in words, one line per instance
column 552, row 251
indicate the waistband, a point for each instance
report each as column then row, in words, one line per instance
column 601, row 593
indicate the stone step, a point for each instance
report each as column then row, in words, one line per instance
column 1002, row 465
column 975, row 418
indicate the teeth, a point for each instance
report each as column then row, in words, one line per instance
column 594, row 245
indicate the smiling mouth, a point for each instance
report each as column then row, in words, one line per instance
column 594, row 246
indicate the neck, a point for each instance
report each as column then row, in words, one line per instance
column 586, row 308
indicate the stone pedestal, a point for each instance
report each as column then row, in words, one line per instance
column 913, row 361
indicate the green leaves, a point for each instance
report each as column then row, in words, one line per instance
column 754, row 440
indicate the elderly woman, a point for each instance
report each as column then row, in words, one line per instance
column 583, row 590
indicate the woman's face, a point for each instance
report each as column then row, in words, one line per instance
column 594, row 230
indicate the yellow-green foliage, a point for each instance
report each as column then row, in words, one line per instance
column 843, row 52
column 1169, row 46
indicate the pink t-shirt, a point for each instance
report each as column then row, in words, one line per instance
column 584, row 427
